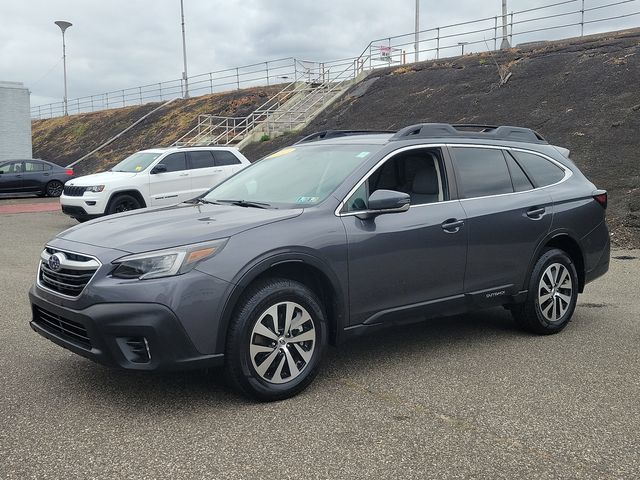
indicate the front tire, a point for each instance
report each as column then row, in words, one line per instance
column 275, row 340
column 123, row 203
column 54, row 188
column 552, row 295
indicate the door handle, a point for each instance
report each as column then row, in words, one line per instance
column 217, row 170
column 535, row 212
column 452, row 225
column 183, row 175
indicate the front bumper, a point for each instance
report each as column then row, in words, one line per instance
column 87, row 205
column 101, row 332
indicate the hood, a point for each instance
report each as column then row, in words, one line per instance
column 100, row 178
column 153, row 229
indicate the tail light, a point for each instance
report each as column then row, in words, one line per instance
column 69, row 171
column 600, row 196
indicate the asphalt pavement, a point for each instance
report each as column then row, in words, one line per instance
column 462, row 397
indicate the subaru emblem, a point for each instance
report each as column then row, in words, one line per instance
column 54, row 261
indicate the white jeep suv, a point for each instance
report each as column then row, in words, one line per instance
column 158, row 176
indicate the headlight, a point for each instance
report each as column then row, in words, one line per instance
column 94, row 188
column 166, row 263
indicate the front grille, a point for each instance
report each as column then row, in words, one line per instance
column 75, row 272
column 72, row 331
column 70, row 191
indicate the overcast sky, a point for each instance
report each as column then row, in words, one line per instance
column 116, row 44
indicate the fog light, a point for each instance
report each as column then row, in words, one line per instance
column 135, row 349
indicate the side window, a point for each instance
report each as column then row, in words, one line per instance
column 418, row 173
column 224, row 157
column 13, row 167
column 482, row 171
column 175, row 162
column 201, row 159
column 33, row 167
column 539, row 169
column 521, row 182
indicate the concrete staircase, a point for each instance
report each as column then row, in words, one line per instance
column 290, row 109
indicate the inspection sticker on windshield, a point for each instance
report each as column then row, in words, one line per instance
column 307, row 199
column 138, row 168
column 284, row 151
column 362, row 154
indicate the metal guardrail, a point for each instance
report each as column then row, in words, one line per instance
column 567, row 18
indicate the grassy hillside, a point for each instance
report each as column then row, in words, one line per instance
column 582, row 94
column 65, row 139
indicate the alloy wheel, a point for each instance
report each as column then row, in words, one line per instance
column 555, row 292
column 54, row 189
column 282, row 342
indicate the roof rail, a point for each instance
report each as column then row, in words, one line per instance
column 436, row 130
column 327, row 134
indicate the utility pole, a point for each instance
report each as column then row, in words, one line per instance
column 505, row 36
column 416, row 46
column 185, row 76
column 63, row 26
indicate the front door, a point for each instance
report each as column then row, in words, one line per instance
column 174, row 185
column 408, row 264
column 11, row 177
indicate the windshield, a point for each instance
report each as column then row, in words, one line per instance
column 136, row 162
column 294, row 176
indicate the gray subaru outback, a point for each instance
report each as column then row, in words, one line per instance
column 337, row 235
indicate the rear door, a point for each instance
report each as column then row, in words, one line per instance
column 11, row 174
column 228, row 162
column 34, row 178
column 174, row 185
column 204, row 172
column 506, row 217
column 408, row 264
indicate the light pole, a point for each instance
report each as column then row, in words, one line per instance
column 185, row 77
column 63, row 26
column 505, row 38
column 416, row 46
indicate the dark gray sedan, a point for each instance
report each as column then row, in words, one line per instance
column 332, row 237
column 33, row 176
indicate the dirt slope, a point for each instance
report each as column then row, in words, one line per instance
column 583, row 94
column 65, row 139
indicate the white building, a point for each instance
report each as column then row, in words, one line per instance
column 15, row 121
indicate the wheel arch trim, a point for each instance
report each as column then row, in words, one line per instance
column 271, row 261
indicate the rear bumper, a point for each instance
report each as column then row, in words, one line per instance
column 101, row 332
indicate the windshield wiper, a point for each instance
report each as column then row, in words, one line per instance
column 198, row 200
column 246, row 203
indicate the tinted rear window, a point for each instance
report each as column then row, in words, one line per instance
column 202, row 159
column 521, row 182
column 539, row 169
column 224, row 157
column 482, row 171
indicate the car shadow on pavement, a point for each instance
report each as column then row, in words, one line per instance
column 201, row 388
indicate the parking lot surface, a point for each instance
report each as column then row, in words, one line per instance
column 462, row 397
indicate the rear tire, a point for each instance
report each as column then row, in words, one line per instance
column 263, row 359
column 552, row 294
column 123, row 203
column 54, row 188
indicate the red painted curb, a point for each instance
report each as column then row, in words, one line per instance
column 30, row 208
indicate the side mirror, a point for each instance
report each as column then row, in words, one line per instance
column 160, row 168
column 386, row 201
